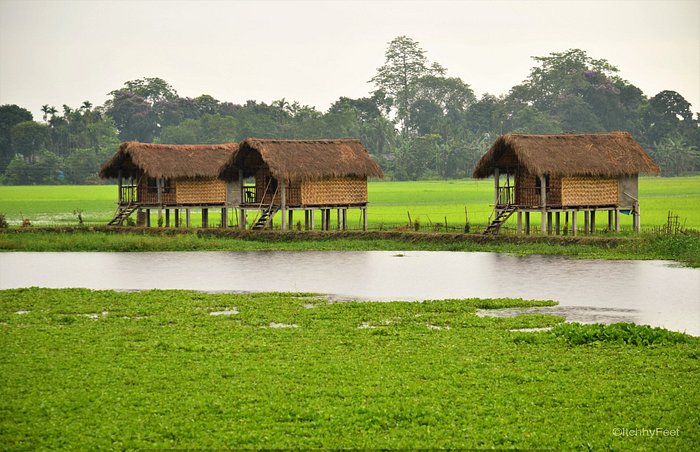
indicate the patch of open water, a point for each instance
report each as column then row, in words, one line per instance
column 657, row 293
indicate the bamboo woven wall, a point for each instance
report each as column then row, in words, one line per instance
column 527, row 192
column 146, row 197
column 337, row 191
column 589, row 191
column 554, row 195
column 201, row 191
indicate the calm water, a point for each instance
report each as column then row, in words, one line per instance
column 657, row 293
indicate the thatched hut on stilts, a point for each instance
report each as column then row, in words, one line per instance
column 567, row 173
column 303, row 176
column 167, row 177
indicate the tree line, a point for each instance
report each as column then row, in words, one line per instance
column 417, row 121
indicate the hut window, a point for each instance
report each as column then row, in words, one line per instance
column 153, row 185
column 538, row 183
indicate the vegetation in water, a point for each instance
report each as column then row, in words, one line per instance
column 178, row 369
column 617, row 333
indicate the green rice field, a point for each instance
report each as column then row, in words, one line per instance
column 430, row 203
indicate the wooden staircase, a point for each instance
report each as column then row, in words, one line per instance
column 122, row 214
column 501, row 217
column 265, row 217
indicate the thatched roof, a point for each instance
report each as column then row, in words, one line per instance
column 608, row 154
column 302, row 160
column 168, row 160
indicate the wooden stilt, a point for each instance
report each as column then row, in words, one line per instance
column 312, row 221
column 557, row 223
column 543, row 202
column 496, row 185
column 339, row 219
column 549, row 223
column 159, row 191
column 244, row 220
column 345, row 219
column 167, row 218
column 291, row 219
column 617, row 220
column 205, row 218
column 188, row 223
column 148, row 218
column 283, row 204
column 224, row 217
column 364, row 218
column 177, row 218
column 586, row 227
column 527, row 223
column 610, row 220
column 573, row 223
column 119, row 177
column 520, row 222
column 592, row 221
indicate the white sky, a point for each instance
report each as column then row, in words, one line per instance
column 64, row 52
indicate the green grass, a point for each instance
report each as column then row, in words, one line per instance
column 98, row 369
column 429, row 202
column 682, row 248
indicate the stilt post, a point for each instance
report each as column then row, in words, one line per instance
column 543, row 202
column 283, row 203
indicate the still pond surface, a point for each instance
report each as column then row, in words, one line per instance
column 656, row 293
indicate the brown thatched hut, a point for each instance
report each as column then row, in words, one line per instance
column 566, row 173
column 302, row 175
column 169, row 176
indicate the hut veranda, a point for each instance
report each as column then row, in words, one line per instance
column 259, row 175
column 567, row 173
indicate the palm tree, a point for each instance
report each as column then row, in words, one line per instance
column 45, row 110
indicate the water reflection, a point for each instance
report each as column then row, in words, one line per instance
column 650, row 292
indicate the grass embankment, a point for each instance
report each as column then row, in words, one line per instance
column 99, row 369
column 429, row 202
column 682, row 248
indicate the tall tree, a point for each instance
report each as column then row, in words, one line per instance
column 136, row 108
column 28, row 139
column 667, row 113
column 10, row 116
column 405, row 63
column 562, row 74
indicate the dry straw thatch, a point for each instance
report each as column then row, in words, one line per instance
column 168, row 160
column 302, row 160
column 610, row 154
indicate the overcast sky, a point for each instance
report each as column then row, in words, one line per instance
column 64, row 52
